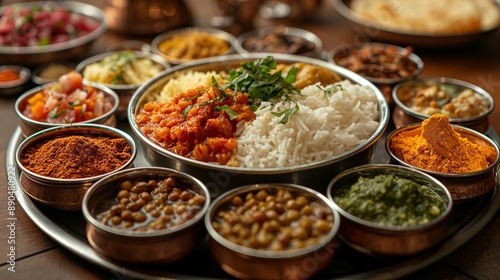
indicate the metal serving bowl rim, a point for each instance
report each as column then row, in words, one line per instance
column 141, row 171
column 24, row 76
column 141, row 54
column 37, row 89
column 411, row 126
column 82, row 129
column 269, row 254
column 412, row 56
column 395, row 168
column 234, row 58
column 226, row 36
column 290, row 31
column 94, row 13
column 443, row 80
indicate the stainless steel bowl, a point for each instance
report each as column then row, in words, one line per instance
column 385, row 84
column 219, row 178
column 403, row 93
column 248, row 263
column 462, row 187
column 156, row 246
column 226, row 36
column 15, row 86
column 65, row 194
column 29, row 126
column 373, row 239
column 124, row 91
column 65, row 51
column 287, row 31
column 50, row 72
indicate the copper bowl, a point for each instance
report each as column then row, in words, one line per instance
column 248, row 263
column 64, row 51
column 403, row 93
column 385, row 84
column 124, row 91
column 219, row 178
column 15, row 86
column 154, row 246
column 65, row 194
column 462, row 187
column 378, row 240
column 157, row 41
column 308, row 37
column 29, row 126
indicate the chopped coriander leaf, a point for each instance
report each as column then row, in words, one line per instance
column 332, row 89
column 232, row 114
column 287, row 114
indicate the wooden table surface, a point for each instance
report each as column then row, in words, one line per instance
column 38, row 257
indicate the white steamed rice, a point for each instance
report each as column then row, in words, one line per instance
column 325, row 126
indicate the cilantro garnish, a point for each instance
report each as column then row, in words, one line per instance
column 286, row 114
column 332, row 89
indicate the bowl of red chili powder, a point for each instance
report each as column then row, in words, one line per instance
column 60, row 164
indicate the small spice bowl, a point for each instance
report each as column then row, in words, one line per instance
column 117, row 70
column 462, row 187
column 280, row 39
column 187, row 44
column 272, row 231
column 29, row 126
column 13, row 78
column 50, row 72
column 161, row 225
column 385, row 65
column 375, row 237
column 465, row 104
column 65, row 191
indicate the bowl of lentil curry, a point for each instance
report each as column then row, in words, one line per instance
column 267, row 231
column 70, row 100
column 464, row 103
column 390, row 210
column 188, row 44
column 59, row 164
column 464, row 160
column 146, row 215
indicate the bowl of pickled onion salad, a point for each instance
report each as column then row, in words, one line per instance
column 68, row 101
column 234, row 120
column 34, row 33
column 390, row 210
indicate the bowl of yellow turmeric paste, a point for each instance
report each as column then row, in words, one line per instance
column 464, row 160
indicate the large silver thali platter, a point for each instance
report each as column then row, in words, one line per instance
column 68, row 229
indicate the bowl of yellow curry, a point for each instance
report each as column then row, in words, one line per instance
column 464, row 160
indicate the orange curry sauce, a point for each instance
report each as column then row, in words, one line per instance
column 204, row 133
